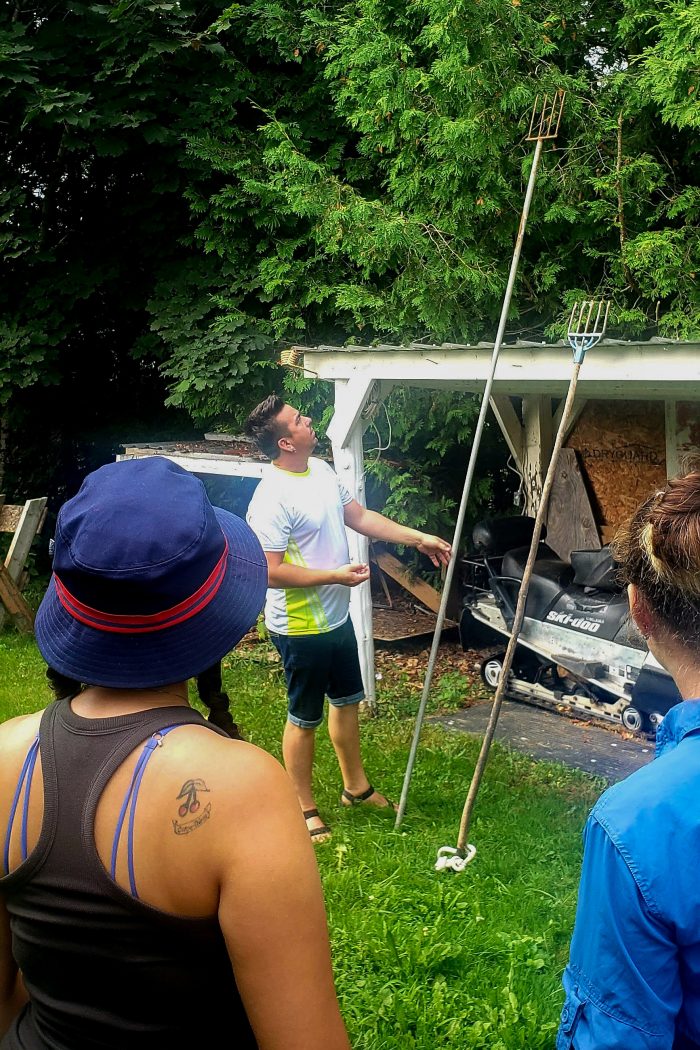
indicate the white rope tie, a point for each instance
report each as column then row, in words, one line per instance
column 451, row 859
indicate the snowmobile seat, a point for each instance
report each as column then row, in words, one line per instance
column 597, row 569
column 494, row 537
column 550, row 575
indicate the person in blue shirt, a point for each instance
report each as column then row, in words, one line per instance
column 633, row 977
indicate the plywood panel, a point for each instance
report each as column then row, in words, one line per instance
column 621, row 449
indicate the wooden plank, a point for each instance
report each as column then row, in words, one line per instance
column 14, row 602
column 426, row 594
column 31, row 520
column 570, row 522
column 27, row 528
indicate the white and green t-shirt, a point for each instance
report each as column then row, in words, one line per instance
column 302, row 515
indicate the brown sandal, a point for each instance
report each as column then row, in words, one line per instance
column 315, row 832
column 354, row 800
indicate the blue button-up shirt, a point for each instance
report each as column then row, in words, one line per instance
column 633, row 978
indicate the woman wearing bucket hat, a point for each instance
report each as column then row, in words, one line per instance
column 157, row 886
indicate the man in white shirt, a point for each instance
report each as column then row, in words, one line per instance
column 299, row 512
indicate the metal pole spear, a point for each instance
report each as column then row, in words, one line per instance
column 544, row 124
column 586, row 328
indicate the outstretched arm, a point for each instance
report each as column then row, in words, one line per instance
column 378, row 527
column 272, row 914
column 12, row 992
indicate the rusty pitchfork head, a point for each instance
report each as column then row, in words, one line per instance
column 546, row 116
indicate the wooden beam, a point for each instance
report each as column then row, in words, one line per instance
column 350, row 400
column 511, row 427
column 618, row 370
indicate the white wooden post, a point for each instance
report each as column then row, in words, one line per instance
column 345, row 432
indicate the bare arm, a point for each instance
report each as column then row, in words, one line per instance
column 16, row 735
column 272, row 913
column 282, row 573
column 370, row 523
column 13, row 995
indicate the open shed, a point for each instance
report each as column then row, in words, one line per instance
column 637, row 416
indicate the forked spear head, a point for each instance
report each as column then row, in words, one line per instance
column 587, row 325
column 546, row 116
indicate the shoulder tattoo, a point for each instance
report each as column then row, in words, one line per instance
column 190, row 810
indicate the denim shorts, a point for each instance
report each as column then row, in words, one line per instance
column 316, row 666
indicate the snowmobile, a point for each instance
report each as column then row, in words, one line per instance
column 578, row 649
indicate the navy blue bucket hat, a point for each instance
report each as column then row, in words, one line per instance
column 151, row 584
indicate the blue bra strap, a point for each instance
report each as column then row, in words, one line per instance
column 130, row 803
column 26, row 773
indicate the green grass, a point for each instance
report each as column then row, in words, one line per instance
column 422, row 959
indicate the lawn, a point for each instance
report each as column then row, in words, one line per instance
column 422, row 959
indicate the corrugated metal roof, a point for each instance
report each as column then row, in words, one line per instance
column 484, row 345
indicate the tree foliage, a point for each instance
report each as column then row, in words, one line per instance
column 395, row 216
column 185, row 187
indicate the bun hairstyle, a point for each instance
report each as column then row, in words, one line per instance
column 659, row 551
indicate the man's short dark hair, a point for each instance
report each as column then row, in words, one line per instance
column 262, row 426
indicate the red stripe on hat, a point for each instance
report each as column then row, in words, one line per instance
column 125, row 623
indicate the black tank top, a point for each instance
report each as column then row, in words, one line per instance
column 103, row 969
